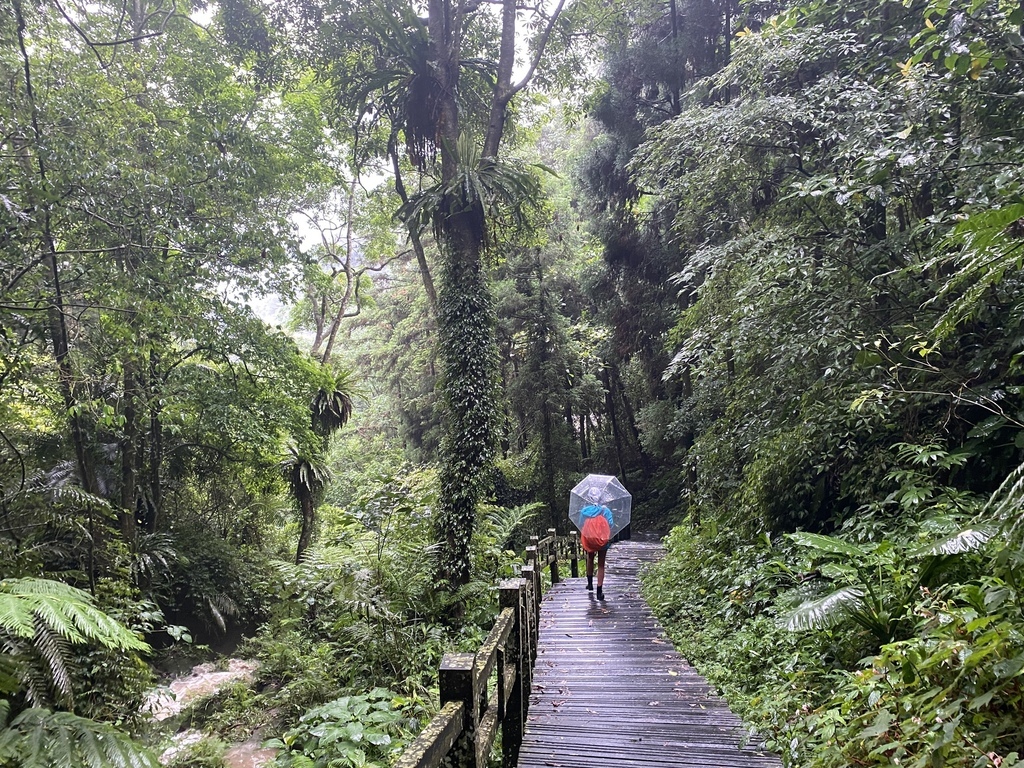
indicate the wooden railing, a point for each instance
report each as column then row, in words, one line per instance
column 472, row 709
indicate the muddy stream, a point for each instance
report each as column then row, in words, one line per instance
column 205, row 680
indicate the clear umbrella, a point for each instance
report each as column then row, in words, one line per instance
column 603, row 490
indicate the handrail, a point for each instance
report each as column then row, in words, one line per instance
column 465, row 729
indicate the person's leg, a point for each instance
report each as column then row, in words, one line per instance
column 601, row 556
column 590, row 570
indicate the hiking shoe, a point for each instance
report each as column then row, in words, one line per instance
column 600, row 593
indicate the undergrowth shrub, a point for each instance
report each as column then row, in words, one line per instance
column 897, row 641
column 952, row 695
column 353, row 731
column 208, row 752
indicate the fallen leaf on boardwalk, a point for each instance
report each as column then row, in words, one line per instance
column 654, row 704
column 567, row 634
column 558, row 703
column 659, row 642
column 591, row 711
column 673, row 672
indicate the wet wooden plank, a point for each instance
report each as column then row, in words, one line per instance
column 609, row 689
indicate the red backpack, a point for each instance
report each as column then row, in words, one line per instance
column 596, row 533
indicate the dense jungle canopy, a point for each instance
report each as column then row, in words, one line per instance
column 312, row 310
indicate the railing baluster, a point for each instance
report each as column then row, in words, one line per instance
column 513, row 662
column 462, row 734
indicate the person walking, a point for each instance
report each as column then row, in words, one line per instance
column 595, row 537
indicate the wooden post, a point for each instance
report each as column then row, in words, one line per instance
column 533, row 561
column 553, row 534
column 532, row 607
column 458, row 683
column 512, row 594
column 574, row 561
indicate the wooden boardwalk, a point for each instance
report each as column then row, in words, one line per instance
column 609, row 690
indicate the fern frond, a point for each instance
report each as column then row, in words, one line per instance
column 501, row 523
column 1006, row 504
column 152, row 556
column 48, row 614
column 220, row 605
column 39, row 737
column 75, row 495
column 32, row 680
column 826, row 611
column 53, row 651
column 470, row 591
column 60, row 749
column 360, row 634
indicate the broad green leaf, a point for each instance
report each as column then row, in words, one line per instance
column 828, row 544
column 967, row 540
column 826, row 611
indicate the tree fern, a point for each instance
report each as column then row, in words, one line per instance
column 150, row 557
column 40, row 738
column 64, row 609
column 53, row 651
column 38, row 618
column 987, row 249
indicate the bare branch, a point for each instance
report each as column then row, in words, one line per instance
column 541, row 45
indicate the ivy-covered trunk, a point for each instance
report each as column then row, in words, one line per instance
column 467, row 357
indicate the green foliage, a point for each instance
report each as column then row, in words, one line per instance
column 206, row 753
column 950, row 695
column 38, row 619
column 822, row 258
column 349, row 732
column 909, row 644
column 497, row 191
column 877, row 584
column 39, row 738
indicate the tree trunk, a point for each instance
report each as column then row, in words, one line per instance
column 129, row 452
column 465, row 324
column 627, row 408
column 609, row 398
column 466, row 355
column 307, row 506
column 154, row 506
